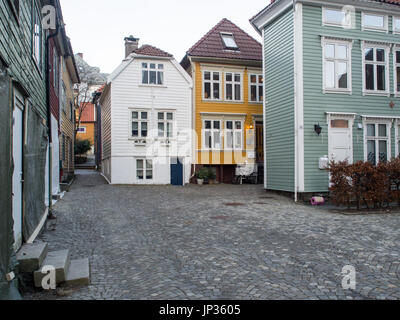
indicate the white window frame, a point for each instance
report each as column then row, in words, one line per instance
column 212, row 82
column 234, row 131
column 212, row 131
column 233, row 83
column 37, row 37
column 145, row 169
column 345, row 24
column 157, row 70
column 349, row 45
column 229, row 34
column 63, row 97
column 166, row 121
column 375, row 46
column 257, row 85
column 139, row 121
column 377, row 122
column 394, row 18
column 395, row 66
column 369, row 28
column 56, row 71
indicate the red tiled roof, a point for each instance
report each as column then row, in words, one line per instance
column 211, row 45
column 88, row 113
column 394, row 2
column 148, row 50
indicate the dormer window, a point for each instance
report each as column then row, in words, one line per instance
column 229, row 41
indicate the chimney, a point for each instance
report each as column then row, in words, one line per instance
column 131, row 44
column 80, row 54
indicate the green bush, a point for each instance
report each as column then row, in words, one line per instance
column 82, row 146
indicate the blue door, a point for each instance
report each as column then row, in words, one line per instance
column 176, row 172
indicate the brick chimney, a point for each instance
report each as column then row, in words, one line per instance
column 131, row 44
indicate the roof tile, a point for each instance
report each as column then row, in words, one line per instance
column 148, row 50
column 211, row 45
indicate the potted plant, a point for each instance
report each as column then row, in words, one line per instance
column 202, row 175
column 211, row 176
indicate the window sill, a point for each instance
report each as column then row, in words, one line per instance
column 376, row 93
column 337, row 91
column 139, row 141
column 374, row 29
column 152, row 86
column 255, row 102
column 337, row 25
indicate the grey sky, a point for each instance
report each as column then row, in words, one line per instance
column 97, row 27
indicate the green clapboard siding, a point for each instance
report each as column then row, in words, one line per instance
column 279, row 117
column 316, row 103
column 16, row 50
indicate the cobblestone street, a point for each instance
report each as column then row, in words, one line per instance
column 219, row 242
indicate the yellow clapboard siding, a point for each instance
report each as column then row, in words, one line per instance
column 223, row 157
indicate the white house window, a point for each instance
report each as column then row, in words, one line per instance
column 37, row 37
column 229, row 41
column 63, row 98
column 377, row 142
column 212, row 85
column 372, row 21
column 81, row 130
column 396, row 24
column 233, row 86
column 144, row 169
column 165, row 124
column 397, row 75
column 336, row 17
column 140, row 122
column 256, row 88
column 337, row 66
column 375, row 69
column 152, row 73
column 212, row 136
column 233, row 135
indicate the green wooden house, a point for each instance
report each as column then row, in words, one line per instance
column 332, row 81
column 23, row 131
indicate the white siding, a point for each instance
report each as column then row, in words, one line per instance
column 127, row 93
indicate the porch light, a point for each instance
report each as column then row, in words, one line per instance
column 317, row 129
column 251, row 127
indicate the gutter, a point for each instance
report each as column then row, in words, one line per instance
column 50, row 191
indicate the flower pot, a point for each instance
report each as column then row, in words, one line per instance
column 200, row 181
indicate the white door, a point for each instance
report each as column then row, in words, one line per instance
column 340, row 141
column 18, row 171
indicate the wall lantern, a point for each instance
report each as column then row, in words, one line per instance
column 317, row 129
column 251, row 127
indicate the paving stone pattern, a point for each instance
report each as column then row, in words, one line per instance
column 219, row 242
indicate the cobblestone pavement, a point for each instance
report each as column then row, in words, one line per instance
column 220, row 242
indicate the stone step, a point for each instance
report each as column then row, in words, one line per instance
column 31, row 256
column 60, row 260
column 79, row 273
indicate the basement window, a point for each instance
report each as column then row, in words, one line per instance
column 229, row 41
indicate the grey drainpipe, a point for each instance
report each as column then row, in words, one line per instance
column 50, row 191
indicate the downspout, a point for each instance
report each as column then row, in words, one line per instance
column 193, row 126
column 296, row 169
column 50, row 191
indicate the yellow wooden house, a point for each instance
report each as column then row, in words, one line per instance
column 226, row 67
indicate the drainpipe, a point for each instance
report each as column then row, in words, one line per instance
column 50, row 191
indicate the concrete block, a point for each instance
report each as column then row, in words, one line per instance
column 60, row 260
column 31, row 256
column 79, row 273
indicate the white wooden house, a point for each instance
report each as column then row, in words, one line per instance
column 146, row 119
